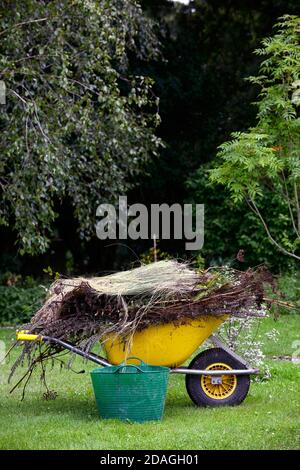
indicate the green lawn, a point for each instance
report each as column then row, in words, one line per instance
column 269, row 418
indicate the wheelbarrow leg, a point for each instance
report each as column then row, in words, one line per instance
column 215, row 340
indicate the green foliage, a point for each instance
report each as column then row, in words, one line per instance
column 203, row 98
column 208, row 47
column 230, row 227
column 76, row 125
column 52, row 274
column 289, row 287
column 199, row 262
column 18, row 304
column 9, row 278
column 265, row 160
column 153, row 254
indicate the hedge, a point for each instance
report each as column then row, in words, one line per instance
column 18, row 304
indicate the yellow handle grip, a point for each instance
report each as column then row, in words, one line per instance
column 24, row 336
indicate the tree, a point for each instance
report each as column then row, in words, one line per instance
column 75, row 125
column 230, row 227
column 266, row 159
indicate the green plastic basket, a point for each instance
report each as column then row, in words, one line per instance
column 130, row 392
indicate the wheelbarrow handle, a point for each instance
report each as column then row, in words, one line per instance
column 23, row 335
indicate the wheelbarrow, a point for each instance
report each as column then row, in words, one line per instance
column 216, row 376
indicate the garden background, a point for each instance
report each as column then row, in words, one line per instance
column 105, row 99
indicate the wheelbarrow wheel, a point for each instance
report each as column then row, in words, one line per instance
column 205, row 390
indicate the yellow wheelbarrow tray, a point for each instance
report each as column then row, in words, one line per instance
column 216, row 376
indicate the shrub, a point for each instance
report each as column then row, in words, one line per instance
column 18, row 304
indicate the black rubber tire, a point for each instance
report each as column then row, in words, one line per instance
column 202, row 361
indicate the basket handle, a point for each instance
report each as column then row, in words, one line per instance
column 142, row 363
column 121, row 366
column 125, row 364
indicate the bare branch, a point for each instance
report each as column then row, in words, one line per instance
column 22, row 24
column 287, row 197
column 39, row 123
column 18, row 96
column 297, row 204
column 255, row 209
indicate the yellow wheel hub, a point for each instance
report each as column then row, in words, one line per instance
column 219, row 391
